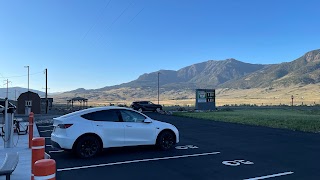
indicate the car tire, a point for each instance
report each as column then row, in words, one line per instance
column 88, row 146
column 166, row 140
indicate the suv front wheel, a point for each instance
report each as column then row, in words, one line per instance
column 166, row 140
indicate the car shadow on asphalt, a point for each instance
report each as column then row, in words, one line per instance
column 131, row 150
column 116, row 152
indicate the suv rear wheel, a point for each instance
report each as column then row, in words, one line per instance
column 87, row 146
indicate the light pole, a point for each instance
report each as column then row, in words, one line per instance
column 27, row 105
column 28, row 76
column 8, row 88
column 158, row 87
column 46, row 91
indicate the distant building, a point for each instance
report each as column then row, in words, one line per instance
column 29, row 100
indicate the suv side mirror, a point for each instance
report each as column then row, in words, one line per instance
column 147, row 121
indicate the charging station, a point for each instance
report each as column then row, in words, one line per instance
column 8, row 111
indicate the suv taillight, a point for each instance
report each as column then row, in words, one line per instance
column 64, row 126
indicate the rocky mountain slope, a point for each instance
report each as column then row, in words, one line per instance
column 229, row 73
column 302, row 71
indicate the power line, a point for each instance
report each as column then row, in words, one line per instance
column 136, row 15
column 21, row 75
column 109, row 43
column 116, row 19
column 97, row 20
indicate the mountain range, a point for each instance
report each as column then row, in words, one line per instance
column 217, row 74
column 229, row 73
column 14, row 92
column 302, row 71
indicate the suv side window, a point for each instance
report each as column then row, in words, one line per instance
column 130, row 116
column 105, row 115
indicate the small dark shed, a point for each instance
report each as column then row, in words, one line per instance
column 29, row 100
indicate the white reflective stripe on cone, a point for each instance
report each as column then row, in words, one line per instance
column 45, row 177
column 37, row 147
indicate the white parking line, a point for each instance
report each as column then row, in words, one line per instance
column 57, row 151
column 137, row 161
column 270, row 176
column 46, row 131
column 49, row 145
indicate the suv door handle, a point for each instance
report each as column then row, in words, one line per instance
column 128, row 126
column 99, row 125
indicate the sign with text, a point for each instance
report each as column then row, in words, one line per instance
column 205, row 99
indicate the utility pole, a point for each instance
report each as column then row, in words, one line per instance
column 46, row 98
column 46, row 91
column 28, row 76
column 7, row 88
column 27, row 106
column 28, row 81
column 158, row 87
column 7, row 83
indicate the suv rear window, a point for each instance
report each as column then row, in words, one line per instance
column 106, row 115
column 143, row 102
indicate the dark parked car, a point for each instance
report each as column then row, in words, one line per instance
column 145, row 106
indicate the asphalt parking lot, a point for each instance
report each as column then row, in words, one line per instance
column 207, row 150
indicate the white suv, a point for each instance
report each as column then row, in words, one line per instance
column 88, row 131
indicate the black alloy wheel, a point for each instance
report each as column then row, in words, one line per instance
column 88, row 146
column 166, row 140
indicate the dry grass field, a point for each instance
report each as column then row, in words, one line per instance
column 303, row 95
column 300, row 118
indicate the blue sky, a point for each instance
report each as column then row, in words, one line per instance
column 92, row 44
